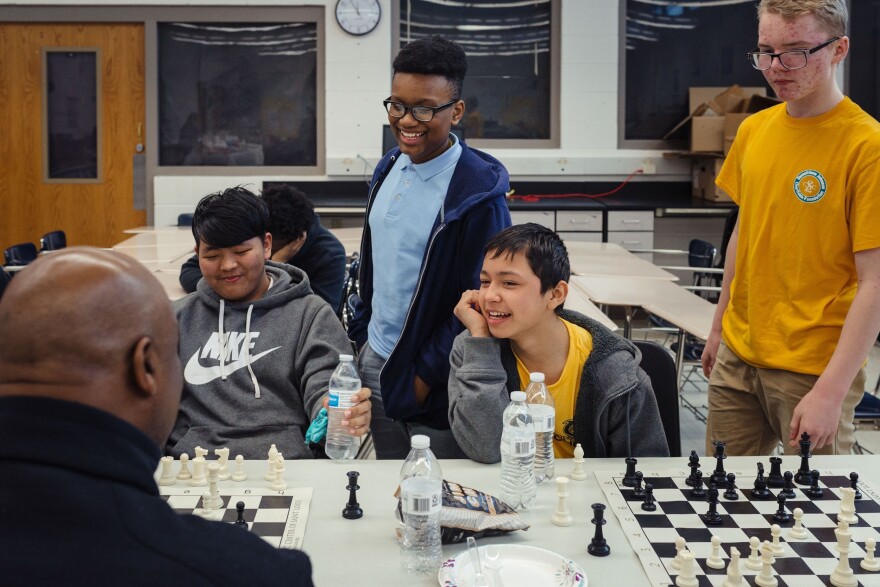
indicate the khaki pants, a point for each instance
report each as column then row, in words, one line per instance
column 750, row 408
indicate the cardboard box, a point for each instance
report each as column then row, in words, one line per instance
column 705, row 170
column 731, row 125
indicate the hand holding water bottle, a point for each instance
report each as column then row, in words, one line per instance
column 348, row 410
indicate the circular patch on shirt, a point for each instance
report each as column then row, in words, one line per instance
column 809, row 186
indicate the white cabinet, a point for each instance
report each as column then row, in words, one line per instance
column 543, row 217
column 632, row 230
column 579, row 221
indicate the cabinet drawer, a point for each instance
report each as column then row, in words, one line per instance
column 634, row 240
column 543, row 217
column 579, row 221
column 642, row 220
column 581, row 237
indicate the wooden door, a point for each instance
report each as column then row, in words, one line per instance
column 90, row 213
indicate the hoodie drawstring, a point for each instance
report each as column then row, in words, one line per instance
column 247, row 351
column 223, row 342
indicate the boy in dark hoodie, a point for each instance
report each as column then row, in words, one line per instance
column 516, row 325
column 258, row 346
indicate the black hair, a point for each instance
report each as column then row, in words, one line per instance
column 542, row 247
column 434, row 56
column 291, row 213
column 230, row 217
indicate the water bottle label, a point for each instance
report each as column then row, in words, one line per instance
column 422, row 503
column 544, row 418
column 518, row 446
column 340, row 398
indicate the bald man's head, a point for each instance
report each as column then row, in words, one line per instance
column 94, row 327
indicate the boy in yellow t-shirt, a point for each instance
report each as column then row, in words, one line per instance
column 516, row 325
column 800, row 300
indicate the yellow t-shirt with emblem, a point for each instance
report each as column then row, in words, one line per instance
column 565, row 389
column 809, row 197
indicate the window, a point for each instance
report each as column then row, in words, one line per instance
column 238, row 95
column 511, row 88
column 668, row 47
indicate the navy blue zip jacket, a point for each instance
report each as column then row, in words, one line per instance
column 475, row 208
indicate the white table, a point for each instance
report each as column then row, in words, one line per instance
column 579, row 302
column 610, row 259
column 365, row 552
column 163, row 229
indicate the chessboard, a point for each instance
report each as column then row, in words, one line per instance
column 806, row 563
column 278, row 517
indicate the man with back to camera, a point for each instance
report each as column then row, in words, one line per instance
column 800, row 301
column 434, row 202
column 258, row 346
column 86, row 400
column 298, row 239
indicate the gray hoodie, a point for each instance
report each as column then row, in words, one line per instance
column 615, row 411
column 269, row 384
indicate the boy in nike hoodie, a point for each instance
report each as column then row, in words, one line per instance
column 258, row 347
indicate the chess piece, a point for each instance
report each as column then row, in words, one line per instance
column 198, row 476
column 775, row 479
column 715, row 561
column 843, row 576
column 271, row 462
column 802, row 477
column 694, row 464
column 719, row 475
column 184, row 473
column 766, row 544
column 216, row 502
column 814, row 490
column 223, row 461
column 278, row 483
column 200, row 452
column 279, row 463
column 240, row 522
column 578, row 474
column 167, row 477
column 734, row 574
column 239, row 474
column 352, row 509
column 629, row 478
column 788, row 485
column 798, row 532
column 731, row 494
column 648, row 505
column 638, row 490
column 680, row 545
column 206, row 504
column 847, row 511
column 562, row 516
column 754, row 561
column 766, row 578
column 781, row 516
column 712, row 517
column 760, row 490
column 854, row 483
column 775, row 547
column 869, row 563
column 598, row 546
column 697, row 490
column 688, row 575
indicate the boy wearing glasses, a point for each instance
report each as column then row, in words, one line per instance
column 433, row 205
column 800, row 303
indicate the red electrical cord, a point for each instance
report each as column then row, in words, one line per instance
column 538, row 197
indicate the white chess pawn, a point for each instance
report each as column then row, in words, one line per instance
column 754, row 561
column 847, row 511
column 869, row 563
column 206, row 504
column 734, row 574
column 775, row 547
column 223, row 461
column 715, row 561
column 239, row 474
column 843, row 576
column 273, row 456
column 167, row 477
column 688, row 575
column 562, row 517
column 797, row 532
column 680, row 546
column 578, row 474
column 766, row 578
column 184, row 473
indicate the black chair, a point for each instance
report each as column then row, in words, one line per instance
column 349, row 289
column 52, row 241
column 4, row 280
column 184, row 220
column 867, row 414
column 21, row 254
column 659, row 365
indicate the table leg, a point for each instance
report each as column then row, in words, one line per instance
column 627, row 325
column 679, row 358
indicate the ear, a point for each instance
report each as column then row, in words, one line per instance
column 457, row 112
column 558, row 295
column 144, row 363
column 267, row 246
column 841, row 49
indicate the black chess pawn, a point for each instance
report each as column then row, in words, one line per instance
column 781, row 517
column 854, row 483
column 648, row 505
column 352, row 509
column 598, row 546
column 712, row 517
column 694, row 464
column 731, row 493
column 719, row 475
column 638, row 490
column 760, row 490
column 788, row 485
column 698, row 490
column 803, row 477
column 814, row 491
column 775, row 479
column 240, row 522
column 629, row 478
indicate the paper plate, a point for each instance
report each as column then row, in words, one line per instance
column 521, row 566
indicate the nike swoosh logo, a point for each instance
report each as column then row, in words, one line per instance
column 197, row 374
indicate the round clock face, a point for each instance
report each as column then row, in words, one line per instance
column 358, row 17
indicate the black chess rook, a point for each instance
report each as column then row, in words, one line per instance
column 775, row 478
column 629, row 478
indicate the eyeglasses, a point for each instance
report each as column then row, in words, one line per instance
column 420, row 113
column 796, row 59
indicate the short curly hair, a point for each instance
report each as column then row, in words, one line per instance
column 434, row 56
column 291, row 213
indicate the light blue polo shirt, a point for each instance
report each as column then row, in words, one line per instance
column 401, row 220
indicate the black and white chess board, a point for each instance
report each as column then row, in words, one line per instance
column 278, row 517
column 806, row 563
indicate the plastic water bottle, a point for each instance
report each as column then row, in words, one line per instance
column 344, row 383
column 543, row 411
column 421, row 485
column 518, row 487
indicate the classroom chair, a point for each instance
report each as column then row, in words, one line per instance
column 20, row 254
column 52, row 241
column 659, row 365
column 184, row 220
